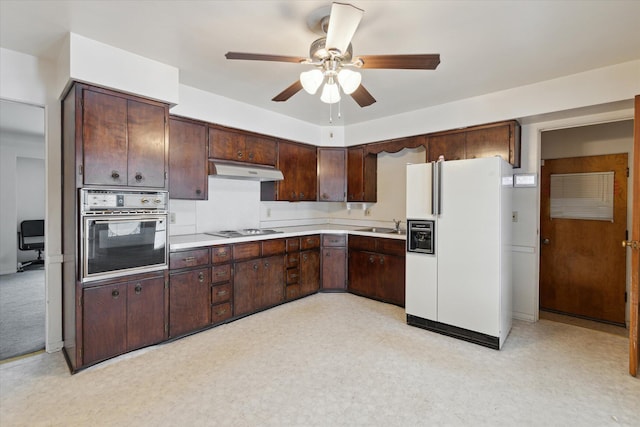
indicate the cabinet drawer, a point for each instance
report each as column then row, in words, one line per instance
column 220, row 312
column 220, row 273
column 221, row 293
column 293, row 245
column 220, row 254
column 391, row 246
column 292, row 259
column 293, row 275
column 292, row 291
column 246, row 251
column 362, row 243
column 187, row 259
column 309, row 242
column 334, row 240
column 273, row 247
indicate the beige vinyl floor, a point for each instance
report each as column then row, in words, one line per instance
column 335, row 359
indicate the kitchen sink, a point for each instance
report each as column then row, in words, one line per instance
column 382, row 230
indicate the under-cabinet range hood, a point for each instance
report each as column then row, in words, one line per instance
column 244, row 171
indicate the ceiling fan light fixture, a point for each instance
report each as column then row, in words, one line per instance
column 349, row 80
column 330, row 92
column 311, row 80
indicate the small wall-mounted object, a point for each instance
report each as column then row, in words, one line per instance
column 525, row 180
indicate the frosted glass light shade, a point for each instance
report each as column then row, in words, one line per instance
column 349, row 80
column 330, row 93
column 311, row 80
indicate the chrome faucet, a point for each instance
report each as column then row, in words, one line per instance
column 397, row 223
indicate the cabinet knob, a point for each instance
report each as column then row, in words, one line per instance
column 327, row 254
column 302, row 195
column 201, row 277
column 381, row 260
column 255, row 266
column 138, row 289
column 251, row 156
column 266, row 265
column 115, row 293
column 239, row 154
column 115, row 174
column 371, row 260
column 138, row 176
column 198, row 191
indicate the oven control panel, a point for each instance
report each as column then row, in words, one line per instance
column 122, row 200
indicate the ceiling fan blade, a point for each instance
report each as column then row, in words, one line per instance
column 343, row 22
column 288, row 92
column 263, row 57
column 402, row 62
column 363, row 97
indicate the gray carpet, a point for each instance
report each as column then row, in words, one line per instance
column 22, row 313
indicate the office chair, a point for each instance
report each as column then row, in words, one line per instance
column 31, row 238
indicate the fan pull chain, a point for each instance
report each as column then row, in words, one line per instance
column 330, row 115
column 340, row 109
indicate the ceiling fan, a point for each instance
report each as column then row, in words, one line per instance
column 333, row 60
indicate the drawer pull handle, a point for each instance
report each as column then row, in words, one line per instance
column 190, row 260
column 221, row 273
column 222, row 253
column 221, row 293
column 221, row 312
column 115, row 175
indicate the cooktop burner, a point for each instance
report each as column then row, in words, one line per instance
column 243, row 232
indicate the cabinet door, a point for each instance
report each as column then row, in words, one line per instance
column 187, row 160
column 332, row 174
column 104, row 136
column 362, row 266
column 104, row 322
column 189, row 301
column 147, row 155
column 334, row 268
column 490, row 142
column 307, row 173
column 145, row 313
column 391, row 279
column 309, row 272
column 270, row 289
column 451, row 146
column 226, row 145
column 362, row 176
column 245, row 278
column 288, row 164
column 260, row 150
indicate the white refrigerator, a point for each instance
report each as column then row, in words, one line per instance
column 462, row 288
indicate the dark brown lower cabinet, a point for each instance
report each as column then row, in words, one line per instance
column 122, row 317
column 377, row 268
column 258, row 284
column 189, row 296
column 334, row 262
column 309, row 271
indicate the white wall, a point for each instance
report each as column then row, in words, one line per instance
column 30, row 194
column 15, row 148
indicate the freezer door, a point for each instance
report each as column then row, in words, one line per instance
column 421, row 293
column 419, row 185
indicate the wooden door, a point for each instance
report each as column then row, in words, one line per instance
column 309, row 271
column 261, row 151
column 104, row 317
column 362, row 266
column 271, row 287
column 362, row 176
column 187, row 160
column 582, row 264
column 226, row 145
column 104, row 139
column 288, row 164
column 634, row 317
column 246, row 277
column 332, row 174
column 334, row 268
column 145, row 313
column 451, row 146
column 307, row 173
column 489, row 142
column 146, row 133
column 391, row 285
column 189, row 301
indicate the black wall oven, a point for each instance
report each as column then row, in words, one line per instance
column 122, row 232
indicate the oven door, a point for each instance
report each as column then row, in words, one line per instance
column 117, row 245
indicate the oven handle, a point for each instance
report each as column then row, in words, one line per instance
column 127, row 219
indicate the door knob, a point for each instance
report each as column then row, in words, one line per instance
column 546, row 241
column 633, row 244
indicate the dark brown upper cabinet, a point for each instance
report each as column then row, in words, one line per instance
column 362, row 175
column 332, row 170
column 121, row 140
column 238, row 146
column 298, row 163
column 187, row 159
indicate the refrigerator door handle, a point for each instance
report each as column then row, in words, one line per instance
column 436, row 197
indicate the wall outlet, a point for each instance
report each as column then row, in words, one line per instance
column 367, row 212
column 172, row 218
column 514, row 216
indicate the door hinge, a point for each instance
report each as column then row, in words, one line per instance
column 166, row 283
column 166, row 328
column 626, row 234
column 165, row 176
column 625, row 296
column 627, row 172
column 80, row 170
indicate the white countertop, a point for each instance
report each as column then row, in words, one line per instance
column 188, row 241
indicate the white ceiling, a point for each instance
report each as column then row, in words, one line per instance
column 485, row 46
